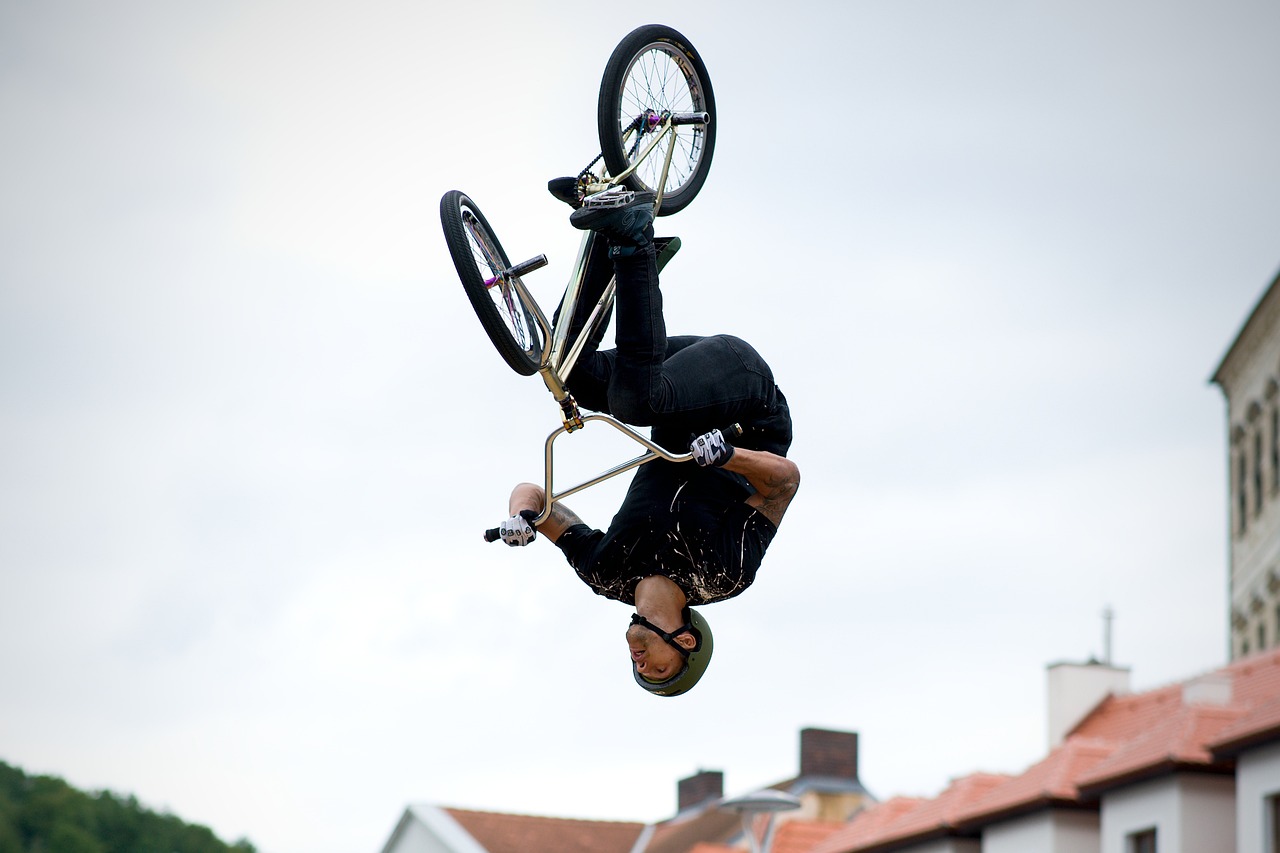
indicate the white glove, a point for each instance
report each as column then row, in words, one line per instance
column 711, row 449
column 517, row 530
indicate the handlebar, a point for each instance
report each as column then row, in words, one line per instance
column 734, row 430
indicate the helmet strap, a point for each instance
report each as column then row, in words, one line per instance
column 686, row 628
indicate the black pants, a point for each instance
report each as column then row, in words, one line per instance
column 682, row 386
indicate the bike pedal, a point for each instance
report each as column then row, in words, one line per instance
column 615, row 196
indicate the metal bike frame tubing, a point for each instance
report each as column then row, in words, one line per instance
column 651, row 453
column 556, row 363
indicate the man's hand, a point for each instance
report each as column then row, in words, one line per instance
column 711, row 448
column 518, row 530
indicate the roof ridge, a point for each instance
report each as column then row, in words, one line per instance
column 530, row 816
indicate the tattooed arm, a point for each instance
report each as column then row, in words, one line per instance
column 775, row 479
column 528, row 496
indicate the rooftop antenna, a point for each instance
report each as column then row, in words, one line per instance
column 1107, row 616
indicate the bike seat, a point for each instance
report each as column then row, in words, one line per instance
column 666, row 248
column 565, row 189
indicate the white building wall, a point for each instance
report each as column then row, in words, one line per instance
column 1029, row 834
column 1049, row 831
column 415, row 838
column 1077, row 832
column 1257, row 779
column 1149, row 805
column 1208, row 811
column 427, row 829
column 1191, row 813
column 1250, row 378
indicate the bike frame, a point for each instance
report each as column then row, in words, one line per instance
column 559, row 354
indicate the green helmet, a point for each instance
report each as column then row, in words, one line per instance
column 695, row 661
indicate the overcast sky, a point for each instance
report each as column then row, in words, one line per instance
column 250, row 430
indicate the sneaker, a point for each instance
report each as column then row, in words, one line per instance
column 625, row 217
column 565, row 189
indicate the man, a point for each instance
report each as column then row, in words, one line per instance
column 685, row 534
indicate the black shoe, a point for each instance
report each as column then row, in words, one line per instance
column 565, row 189
column 624, row 217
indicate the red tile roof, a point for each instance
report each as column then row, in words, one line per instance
column 679, row 835
column 1124, row 738
column 800, row 836
column 1051, row 781
column 509, row 833
column 1177, row 740
column 867, row 825
column 1260, row 724
column 912, row 818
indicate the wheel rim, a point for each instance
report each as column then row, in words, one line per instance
column 489, row 264
column 661, row 79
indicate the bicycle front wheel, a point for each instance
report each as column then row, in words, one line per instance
column 652, row 72
column 479, row 259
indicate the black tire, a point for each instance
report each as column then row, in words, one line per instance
column 478, row 256
column 656, row 68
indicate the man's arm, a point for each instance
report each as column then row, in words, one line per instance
column 531, row 497
column 775, row 479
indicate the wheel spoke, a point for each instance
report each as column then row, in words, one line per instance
column 659, row 81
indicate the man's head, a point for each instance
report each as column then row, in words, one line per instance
column 669, row 663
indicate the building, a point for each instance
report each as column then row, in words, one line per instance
column 827, row 788
column 1192, row 767
column 1249, row 377
column 1188, row 768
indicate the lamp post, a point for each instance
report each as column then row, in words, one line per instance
column 768, row 802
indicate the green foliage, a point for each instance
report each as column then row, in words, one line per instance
column 42, row 814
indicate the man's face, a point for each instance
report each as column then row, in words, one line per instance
column 654, row 658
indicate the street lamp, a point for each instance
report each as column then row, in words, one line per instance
column 768, row 802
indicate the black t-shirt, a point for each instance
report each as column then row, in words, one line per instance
column 683, row 522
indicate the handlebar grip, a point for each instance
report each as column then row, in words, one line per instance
column 691, row 118
column 733, row 431
column 525, row 267
column 492, row 535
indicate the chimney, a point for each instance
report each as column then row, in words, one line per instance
column 829, row 754
column 1075, row 689
column 1211, row 689
column 699, row 789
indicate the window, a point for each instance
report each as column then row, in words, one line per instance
column 1242, row 500
column 1257, row 472
column 1275, row 449
column 1142, row 842
column 1273, row 823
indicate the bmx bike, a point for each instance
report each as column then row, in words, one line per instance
column 656, row 122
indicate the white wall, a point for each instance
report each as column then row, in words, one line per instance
column 1191, row 813
column 1257, row 778
column 427, row 829
column 1029, row 834
column 1077, row 832
column 413, row 837
column 1049, row 831
column 1208, row 813
column 1138, row 807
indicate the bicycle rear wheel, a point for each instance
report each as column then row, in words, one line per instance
column 479, row 259
column 655, row 70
